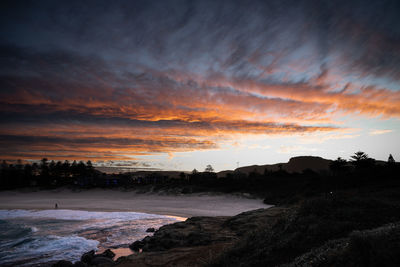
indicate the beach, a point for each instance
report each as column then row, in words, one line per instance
column 97, row 219
column 201, row 204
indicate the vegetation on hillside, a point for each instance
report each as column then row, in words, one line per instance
column 276, row 187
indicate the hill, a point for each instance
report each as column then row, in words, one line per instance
column 295, row 164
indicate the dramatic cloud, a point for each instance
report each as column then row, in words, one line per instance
column 113, row 81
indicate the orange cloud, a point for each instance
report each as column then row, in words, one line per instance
column 168, row 113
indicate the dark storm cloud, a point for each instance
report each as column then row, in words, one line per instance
column 213, row 35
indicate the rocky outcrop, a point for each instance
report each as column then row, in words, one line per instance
column 103, row 259
column 197, row 240
column 150, row 230
column 90, row 259
column 193, row 242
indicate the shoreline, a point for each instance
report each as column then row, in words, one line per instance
column 176, row 216
column 178, row 206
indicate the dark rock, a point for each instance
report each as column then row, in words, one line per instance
column 80, row 264
column 198, row 239
column 87, row 257
column 168, row 243
column 108, row 254
column 135, row 246
column 150, row 230
column 121, row 259
column 63, row 263
column 103, row 261
column 146, row 239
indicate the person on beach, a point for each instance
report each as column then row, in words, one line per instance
column 56, row 206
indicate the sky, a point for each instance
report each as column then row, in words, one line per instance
column 177, row 85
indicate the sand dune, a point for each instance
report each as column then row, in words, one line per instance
column 113, row 200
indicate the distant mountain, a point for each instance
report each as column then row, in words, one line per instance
column 295, row 164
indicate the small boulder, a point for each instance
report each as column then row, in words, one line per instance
column 87, row 257
column 135, row 246
column 150, row 230
column 107, row 253
column 63, row 263
column 103, row 261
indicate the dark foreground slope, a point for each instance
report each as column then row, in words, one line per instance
column 346, row 230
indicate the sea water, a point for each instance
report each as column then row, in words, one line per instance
column 34, row 238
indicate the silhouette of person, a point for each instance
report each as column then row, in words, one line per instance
column 56, row 206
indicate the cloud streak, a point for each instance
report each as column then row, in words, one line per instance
column 379, row 132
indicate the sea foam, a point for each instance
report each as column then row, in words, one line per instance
column 42, row 236
column 62, row 214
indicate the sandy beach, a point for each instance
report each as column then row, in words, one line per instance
column 114, row 200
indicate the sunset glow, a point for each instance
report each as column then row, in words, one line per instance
column 179, row 85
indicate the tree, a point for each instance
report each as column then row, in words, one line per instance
column 66, row 169
column 361, row 160
column 81, row 168
column 359, row 156
column 391, row 159
column 209, row 168
column 35, row 169
column 338, row 166
column 89, row 165
column 19, row 165
column 52, row 167
column 44, row 167
column 74, row 168
column 28, row 173
column 194, row 171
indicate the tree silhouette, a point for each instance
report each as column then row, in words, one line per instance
column 391, row 159
column 362, row 161
column 66, row 169
column 338, row 166
column 359, row 156
column 35, row 169
column 44, row 172
column 89, row 165
column 209, row 168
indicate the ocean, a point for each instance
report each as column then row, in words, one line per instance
column 41, row 237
